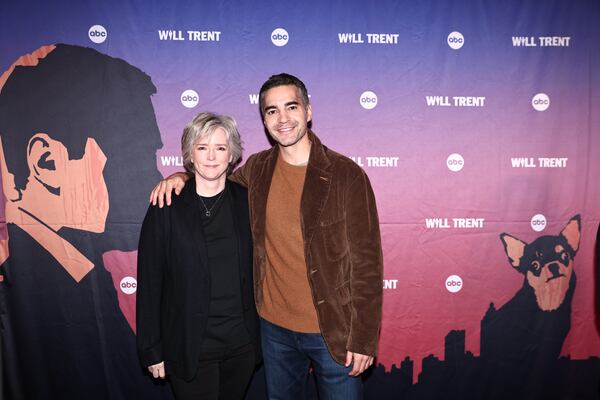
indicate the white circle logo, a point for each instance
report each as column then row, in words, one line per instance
column 455, row 40
column 538, row 222
column 455, row 162
column 540, row 102
column 368, row 100
column 280, row 37
column 128, row 285
column 454, row 283
column 189, row 98
column 97, row 34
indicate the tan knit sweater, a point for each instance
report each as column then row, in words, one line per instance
column 286, row 291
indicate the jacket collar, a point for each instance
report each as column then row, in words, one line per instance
column 318, row 154
column 188, row 193
column 316, row 188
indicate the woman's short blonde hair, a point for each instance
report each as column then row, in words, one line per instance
column 203, row 126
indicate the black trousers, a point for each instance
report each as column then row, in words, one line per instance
column 223, row 376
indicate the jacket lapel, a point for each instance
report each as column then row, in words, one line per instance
column 193, row 222
column 318, row 180
column 259, row 193
column 236, row 209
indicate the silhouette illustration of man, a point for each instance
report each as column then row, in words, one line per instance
column 77, row 127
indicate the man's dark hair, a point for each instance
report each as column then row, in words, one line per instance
column 75, row 93
column 282, row 80
column 71, row 94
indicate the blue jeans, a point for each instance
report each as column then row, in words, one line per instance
column 288, row 356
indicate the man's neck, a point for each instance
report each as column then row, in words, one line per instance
column 44, row 206
column 74, row 262
column 297, row 154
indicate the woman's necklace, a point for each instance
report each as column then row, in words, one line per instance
column 207, row 211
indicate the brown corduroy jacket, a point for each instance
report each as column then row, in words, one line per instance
column 342, row 244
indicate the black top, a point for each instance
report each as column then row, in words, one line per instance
column 225, row 328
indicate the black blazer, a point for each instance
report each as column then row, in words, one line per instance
column 173, row 291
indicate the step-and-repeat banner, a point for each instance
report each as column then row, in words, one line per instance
column 476, row 122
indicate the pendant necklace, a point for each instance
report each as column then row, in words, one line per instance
column 207, row 211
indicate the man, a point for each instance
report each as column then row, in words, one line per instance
column 317, row 252
column 71, row 120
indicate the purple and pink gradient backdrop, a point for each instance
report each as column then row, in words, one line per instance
column 420, row 311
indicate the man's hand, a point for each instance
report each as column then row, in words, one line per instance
column 162, row 191
column 360, row 362
column 158, row 370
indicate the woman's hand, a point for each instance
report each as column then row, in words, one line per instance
column 158, row 370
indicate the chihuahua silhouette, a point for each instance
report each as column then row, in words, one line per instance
column 522, row 341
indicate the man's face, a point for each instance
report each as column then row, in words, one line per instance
column 285, row 115
column 83, row 189
column 66, row 192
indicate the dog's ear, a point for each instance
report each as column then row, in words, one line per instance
column 514, row 249
column 572, row 232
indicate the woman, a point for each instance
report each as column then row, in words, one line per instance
column 196, row 319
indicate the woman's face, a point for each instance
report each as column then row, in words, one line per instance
column 211, row 156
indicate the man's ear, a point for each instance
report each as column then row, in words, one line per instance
column 46, row 159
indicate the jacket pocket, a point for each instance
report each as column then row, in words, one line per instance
column 343, row 293
column 334, row 239
column 344, row 298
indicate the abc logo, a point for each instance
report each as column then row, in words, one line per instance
column 280, row 37
column 455, row 162
column 368, row 100
column 456, row 40
column 454, row 283
column 128, row 285
column 538, row 222
column 189, row 98
column 540, row 102
column 97, row 34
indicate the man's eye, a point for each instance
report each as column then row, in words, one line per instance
column 270, row 112
column 293, row 107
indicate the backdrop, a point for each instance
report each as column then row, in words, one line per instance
column 476, row 122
